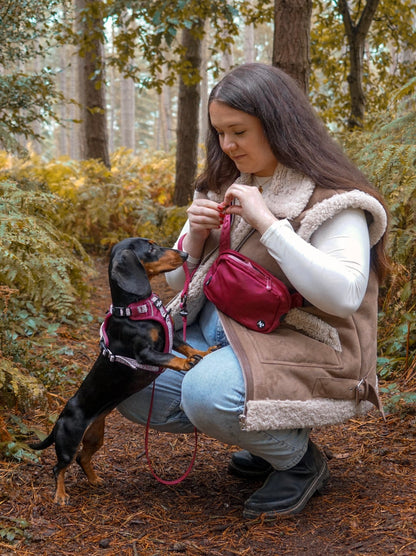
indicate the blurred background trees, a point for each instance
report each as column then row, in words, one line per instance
column 84, row 78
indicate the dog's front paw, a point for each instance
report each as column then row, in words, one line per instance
column 192, row 361
column 211, row 349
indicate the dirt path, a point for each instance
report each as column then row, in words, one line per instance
column 368, row 507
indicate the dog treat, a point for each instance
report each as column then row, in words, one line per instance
column 222, row 207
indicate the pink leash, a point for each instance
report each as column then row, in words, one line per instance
column 184, row 314
column 184, row 294
column 146, row 447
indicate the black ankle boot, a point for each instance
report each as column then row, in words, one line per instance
column 245, row 465
column 287, row 492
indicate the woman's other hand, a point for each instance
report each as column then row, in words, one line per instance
column 203, row 216
column 251, row 206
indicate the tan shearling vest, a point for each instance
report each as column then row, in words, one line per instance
column 314, row 369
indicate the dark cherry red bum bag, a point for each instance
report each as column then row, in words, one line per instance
column 245, row 291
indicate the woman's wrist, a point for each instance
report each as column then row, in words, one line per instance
column 265, row 223
column 193, row 244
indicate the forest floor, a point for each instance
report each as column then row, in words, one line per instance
column 368, row 507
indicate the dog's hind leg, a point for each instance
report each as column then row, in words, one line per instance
column 92, row 441
column 69, row 430
column 61, row 497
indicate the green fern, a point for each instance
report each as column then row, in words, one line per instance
column 100, row 207
column 388, row 156
column 44, row 278
column 45, row 265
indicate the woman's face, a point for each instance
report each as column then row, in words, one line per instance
column 242, row 138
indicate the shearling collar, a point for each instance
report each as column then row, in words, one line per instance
column 328, row 208
column 287, row 196
column 288, row 193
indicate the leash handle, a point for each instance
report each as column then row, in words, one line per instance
column 146, row 448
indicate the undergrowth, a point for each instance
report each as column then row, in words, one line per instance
column 99, row 206
column 52, row 215
column 388, row 156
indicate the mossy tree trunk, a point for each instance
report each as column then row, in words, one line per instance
column 356, row 36
column 291, row 41
column 187, row 130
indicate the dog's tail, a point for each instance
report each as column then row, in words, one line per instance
column 48, row 441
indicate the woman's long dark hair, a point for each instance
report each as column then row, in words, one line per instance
column 297, row 137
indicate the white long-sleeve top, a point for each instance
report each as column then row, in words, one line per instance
column 331, row 271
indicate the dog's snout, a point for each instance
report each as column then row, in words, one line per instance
column 169, row 260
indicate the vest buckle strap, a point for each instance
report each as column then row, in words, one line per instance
column 361, row 390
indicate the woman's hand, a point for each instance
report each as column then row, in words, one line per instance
column 203, row 215
column 251, row 207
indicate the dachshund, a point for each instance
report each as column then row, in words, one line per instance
column 135, row 348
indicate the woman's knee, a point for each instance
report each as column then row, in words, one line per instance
column 193, row 399
column 211, row 402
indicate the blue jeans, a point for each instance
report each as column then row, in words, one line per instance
column 211, row 397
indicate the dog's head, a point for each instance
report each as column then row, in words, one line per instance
column 134, row 261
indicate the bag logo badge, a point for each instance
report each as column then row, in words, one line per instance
column 260, row 324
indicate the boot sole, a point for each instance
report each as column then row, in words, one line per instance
column 315, row 487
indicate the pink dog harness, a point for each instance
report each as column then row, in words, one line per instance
column 151, row 308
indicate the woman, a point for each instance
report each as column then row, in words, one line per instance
column 319, row 227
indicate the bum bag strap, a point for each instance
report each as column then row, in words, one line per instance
column 226, row 233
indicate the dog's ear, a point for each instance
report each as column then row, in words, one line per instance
column 128, row 272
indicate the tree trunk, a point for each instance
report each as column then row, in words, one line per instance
column 187, row 127
column 164, row 124
column 127, row 106
column 203, row 105
column 291, row 41
column 74, row 111
column 113, row 101
column 249, row 44
column 63, row 149
column 92, row 87
column 356, row 35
